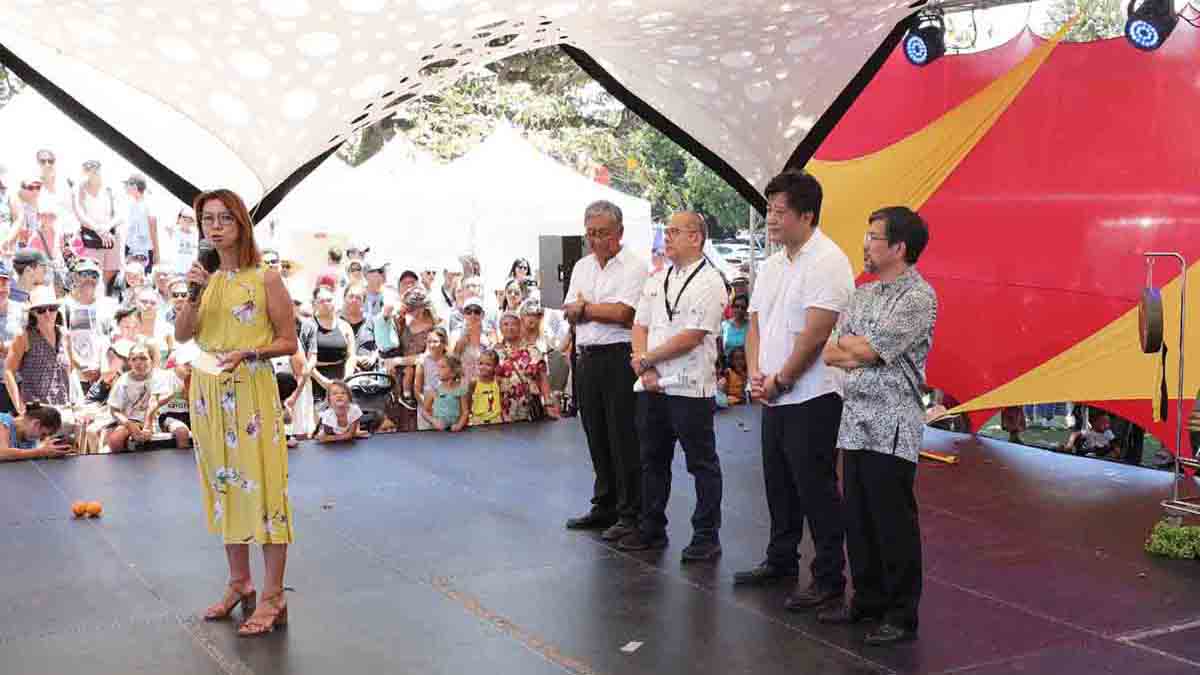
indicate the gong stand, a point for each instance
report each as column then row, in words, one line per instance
column 1149, row 311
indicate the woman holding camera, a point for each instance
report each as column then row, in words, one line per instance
column 32, row 435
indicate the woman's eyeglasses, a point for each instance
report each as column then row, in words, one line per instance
column 473, row 311
column 179, row 296
column 45, row 309
column 226, row 219
column 286, row 265
column 94, row 276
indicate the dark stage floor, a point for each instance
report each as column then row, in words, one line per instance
column 446, row 554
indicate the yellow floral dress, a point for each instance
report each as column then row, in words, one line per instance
column 237, row 419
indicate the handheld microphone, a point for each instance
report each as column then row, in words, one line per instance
column 206, row 254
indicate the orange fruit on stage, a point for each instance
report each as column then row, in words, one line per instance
column 79, row 509
column 94, row 509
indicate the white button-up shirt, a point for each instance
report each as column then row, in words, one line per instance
column 701, row 306
column 619, row 281
column 820, row 276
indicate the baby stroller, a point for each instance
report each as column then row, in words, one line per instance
column 377, row 393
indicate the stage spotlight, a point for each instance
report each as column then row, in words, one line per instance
column 927, row 40
column 1150, row 24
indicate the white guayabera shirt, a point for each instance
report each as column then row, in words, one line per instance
column 699, row 306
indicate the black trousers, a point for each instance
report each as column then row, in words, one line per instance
column 662, row 420
column 799, row 453
column 883, row 535
column 604, row 382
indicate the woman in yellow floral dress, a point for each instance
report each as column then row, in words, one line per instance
column 244, row 318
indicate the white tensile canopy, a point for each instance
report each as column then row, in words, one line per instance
column 494, row 202
column 243, row 93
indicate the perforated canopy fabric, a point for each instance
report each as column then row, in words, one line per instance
column 278, row 82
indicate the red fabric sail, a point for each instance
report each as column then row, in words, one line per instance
column 1036, row 237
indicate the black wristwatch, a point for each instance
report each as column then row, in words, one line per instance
column 781, row 387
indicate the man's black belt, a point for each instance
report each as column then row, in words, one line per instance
column 594, row 350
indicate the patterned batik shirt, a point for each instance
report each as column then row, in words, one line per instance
column 882, row 408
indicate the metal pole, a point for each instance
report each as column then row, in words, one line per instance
column 1179, row 395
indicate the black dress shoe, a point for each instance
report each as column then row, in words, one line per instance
column 701, row 549
column 764, row 574
column 619, row 531
column 889, row 634
column 845, row 615
column 593, row 520
column 639, row 542
column 813, row 596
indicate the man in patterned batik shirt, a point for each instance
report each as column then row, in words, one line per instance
column 882, row 342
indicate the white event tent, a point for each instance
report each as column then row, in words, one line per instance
column 494, row 202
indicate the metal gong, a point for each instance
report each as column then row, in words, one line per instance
column 1150, row 321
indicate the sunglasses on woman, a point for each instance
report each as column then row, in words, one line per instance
column 473, row 311
column 45, row 309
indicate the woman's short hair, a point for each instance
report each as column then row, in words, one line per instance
column 248, row 255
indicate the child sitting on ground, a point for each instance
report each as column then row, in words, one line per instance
column 340, row 420
column 486, row 405
column 136, row 398
column 448, row 410
column 427, row 379
column 1098, row 441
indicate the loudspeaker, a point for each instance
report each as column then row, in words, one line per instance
column 557, row 257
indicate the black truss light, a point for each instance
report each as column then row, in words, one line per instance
column 926, row 41
column 1149, row 26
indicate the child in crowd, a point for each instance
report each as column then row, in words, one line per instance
column 448, row 410
column 176, row 415
column 486, row 404
column 114, row 367
column 736, row 376
column 1098, row 441
column 427, row 378
column 136, row 398
column 340, row 420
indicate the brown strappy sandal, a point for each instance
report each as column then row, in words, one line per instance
column 232, row 598
column 275, row 613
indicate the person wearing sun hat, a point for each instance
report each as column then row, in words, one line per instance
column 86, row 313
column 471, row 339
column 36, row 365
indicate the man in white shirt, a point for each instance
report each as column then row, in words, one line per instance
column 795, row 305
column 606, row 286
column 675, row 355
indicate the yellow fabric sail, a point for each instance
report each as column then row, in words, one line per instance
column 908, row 172
column 1109, row 364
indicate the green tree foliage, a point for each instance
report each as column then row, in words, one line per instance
column 10, row 86
column 567, row 116
column 1098, row 19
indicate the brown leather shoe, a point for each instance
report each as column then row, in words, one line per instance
column 813, row 596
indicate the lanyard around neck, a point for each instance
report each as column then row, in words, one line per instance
column 667, row 288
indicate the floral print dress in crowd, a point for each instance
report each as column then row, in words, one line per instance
column 237, row 419
column 521, row 369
